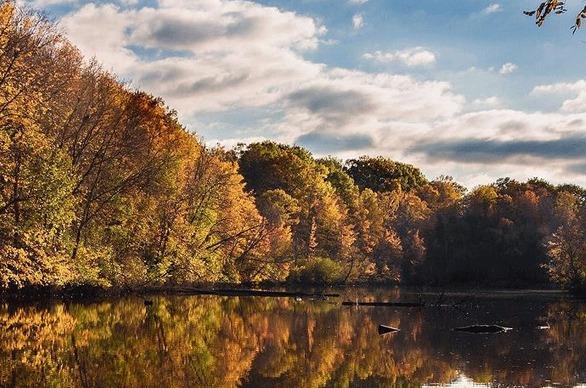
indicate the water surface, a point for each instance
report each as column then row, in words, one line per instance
column 213, row 341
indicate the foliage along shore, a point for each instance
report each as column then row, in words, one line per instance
column 101, row 187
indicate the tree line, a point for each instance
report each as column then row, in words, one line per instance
column 100, row 185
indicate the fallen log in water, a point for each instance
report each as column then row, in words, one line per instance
column 384, row 304
column 383, row 329
column 483, row 329
column 243, row 292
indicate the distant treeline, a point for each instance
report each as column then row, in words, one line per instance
column 101, row 186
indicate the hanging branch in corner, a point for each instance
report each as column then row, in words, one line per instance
column 557, row 7
column 579, row 18
column 545, row 9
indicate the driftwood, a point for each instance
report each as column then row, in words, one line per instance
column 384, row 329
column 483, row 329
column 384, row 304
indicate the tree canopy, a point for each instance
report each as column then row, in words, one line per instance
column 100, row 185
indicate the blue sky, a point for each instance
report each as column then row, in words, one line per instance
column 468, row 88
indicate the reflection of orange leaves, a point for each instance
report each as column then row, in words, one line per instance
column 223, row 342
column 279, row 331
column 345, row 330
column 36, row 337
column 310, row 329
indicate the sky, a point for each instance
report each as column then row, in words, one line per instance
column 469, row 88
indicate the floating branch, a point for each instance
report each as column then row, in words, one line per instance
column 483, row 329
column 384, row 329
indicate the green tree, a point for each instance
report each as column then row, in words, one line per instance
column 383, row 174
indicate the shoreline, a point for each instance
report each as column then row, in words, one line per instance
column 94, row 294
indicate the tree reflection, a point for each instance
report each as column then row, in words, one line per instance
column 225, row 342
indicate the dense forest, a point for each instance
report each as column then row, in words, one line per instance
column 100, row 185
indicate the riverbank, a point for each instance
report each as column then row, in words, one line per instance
column 87, row 293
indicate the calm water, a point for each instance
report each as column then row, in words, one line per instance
column 214, row 341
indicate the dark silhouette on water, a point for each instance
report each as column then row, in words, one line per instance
column 483, row 329
column 384, row 329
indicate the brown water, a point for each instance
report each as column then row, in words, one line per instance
column 212, row 341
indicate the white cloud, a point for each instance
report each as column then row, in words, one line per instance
column 220, row 53
column 508, row 68
column 486, row 103
column 561, row 87
column 357, row 2
column 214, row 56
column 225, row 24
column 414, row 56
column 495, row 142
column 493, row 8
column 349, row 100
column 357, row 21
column 225, row 55
column 578, row 89
column 108, row 45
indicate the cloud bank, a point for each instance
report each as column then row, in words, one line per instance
column 211, row 57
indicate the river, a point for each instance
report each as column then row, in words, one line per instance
column 220, row 341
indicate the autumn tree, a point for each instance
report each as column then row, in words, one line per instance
column 566, row 247
column 383, row 174
column 36, row 208
column 323, row 228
